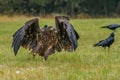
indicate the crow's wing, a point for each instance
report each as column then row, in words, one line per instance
column 106, row 41
column 114, row 25
column 109, row 40
column 97, row 44
column 26, row 36
column 67, row 34
column 102, row 43
column 111, row 26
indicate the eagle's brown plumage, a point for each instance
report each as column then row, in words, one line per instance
column 45, row 41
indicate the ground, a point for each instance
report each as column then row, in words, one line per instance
column 86, row 63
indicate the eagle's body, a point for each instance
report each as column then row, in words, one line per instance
column 46, row 40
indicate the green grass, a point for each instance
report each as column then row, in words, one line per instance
column 86, row 63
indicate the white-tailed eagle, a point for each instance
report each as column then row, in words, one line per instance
column 48, row 39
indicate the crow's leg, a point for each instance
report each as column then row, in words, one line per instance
column 104, row 47
column 108, row 47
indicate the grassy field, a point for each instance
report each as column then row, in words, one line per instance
column 86, row 63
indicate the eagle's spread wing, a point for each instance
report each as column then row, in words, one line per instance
column 26, row 36
column 67, row 35
column 48, row 39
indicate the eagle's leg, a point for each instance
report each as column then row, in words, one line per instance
column 48, row 52
column 34, row 54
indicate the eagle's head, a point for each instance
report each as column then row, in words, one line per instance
column 62, row 18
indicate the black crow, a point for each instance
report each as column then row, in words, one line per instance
column 106, row 42
column 112, row 26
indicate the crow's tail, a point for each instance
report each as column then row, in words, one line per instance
column 94, row 45
column 104, row 27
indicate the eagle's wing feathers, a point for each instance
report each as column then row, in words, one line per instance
column 26, row 35
column 67, row 35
